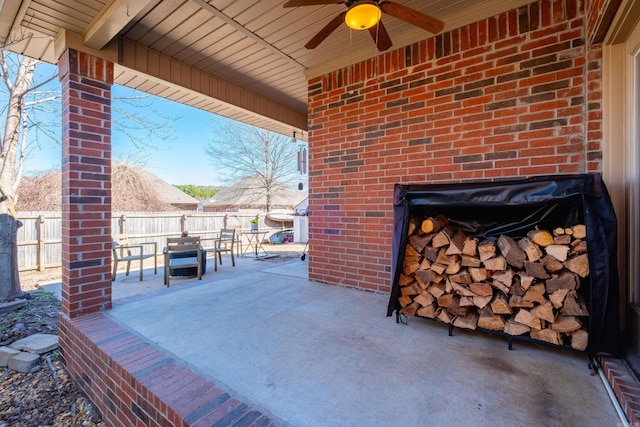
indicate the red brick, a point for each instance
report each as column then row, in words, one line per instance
column 450, row 127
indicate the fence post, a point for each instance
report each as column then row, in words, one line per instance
column 123, row 224
column 184, row 223
column 226, row 221
column 41, row 243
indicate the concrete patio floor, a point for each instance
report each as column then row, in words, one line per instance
column 309, row 354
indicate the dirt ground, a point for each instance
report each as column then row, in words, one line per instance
column 29, row 279
column 48, row 397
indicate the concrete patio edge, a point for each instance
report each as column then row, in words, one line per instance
column 131, row 381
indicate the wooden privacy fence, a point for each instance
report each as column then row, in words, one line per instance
column 40, row 237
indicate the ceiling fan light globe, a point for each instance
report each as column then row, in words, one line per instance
column 363, row 16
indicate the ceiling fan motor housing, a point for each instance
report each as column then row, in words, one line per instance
column 362, row 15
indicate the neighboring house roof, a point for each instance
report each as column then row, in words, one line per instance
column 249, row 193
column 167, row 192
column 304, row 203
column 302, row 208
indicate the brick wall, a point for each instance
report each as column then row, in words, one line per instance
column 86, row 182
column 515, row 95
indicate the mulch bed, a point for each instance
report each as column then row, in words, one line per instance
column 47, row 397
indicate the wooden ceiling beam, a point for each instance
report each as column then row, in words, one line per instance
column 111, row 20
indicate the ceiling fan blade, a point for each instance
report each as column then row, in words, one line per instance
column 380, row 36
column 296, row 3
column 324, row 33
column 412, row 16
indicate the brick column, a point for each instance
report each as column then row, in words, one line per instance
column 86, row 182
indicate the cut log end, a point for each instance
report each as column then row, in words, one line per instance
column 512, row 327
column 546, row 335
column 579, row 340
column 433, row 225
column 540, row 237
column 579, row 231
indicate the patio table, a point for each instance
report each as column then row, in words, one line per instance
column 255, row 242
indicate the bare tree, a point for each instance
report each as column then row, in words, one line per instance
column 42, row 192
column 132, row 191
column 136, row 119
column 18, row 82
column 250, row 151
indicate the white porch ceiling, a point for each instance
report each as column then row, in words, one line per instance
column 250, row 51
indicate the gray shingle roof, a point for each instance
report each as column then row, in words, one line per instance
column 167, row 192
column 249, row 193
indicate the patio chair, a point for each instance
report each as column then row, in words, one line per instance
column 181, row 253
column 224, row 244
column 124, row 252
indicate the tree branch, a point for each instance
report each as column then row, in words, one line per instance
column 5, row 72
column 41, row 101
column 17, row 177
column 35, row 88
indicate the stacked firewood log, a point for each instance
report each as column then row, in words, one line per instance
column 529, row 286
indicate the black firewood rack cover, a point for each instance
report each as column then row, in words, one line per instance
column 513, row 207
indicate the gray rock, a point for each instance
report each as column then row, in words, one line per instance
column 17, row 328
column 6, row 353
column 37, row 343
column 8, row 307
column 24, row 362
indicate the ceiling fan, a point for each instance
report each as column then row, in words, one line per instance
column 365, row 15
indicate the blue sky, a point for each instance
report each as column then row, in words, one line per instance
column 181, row 160
column 178, row 161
